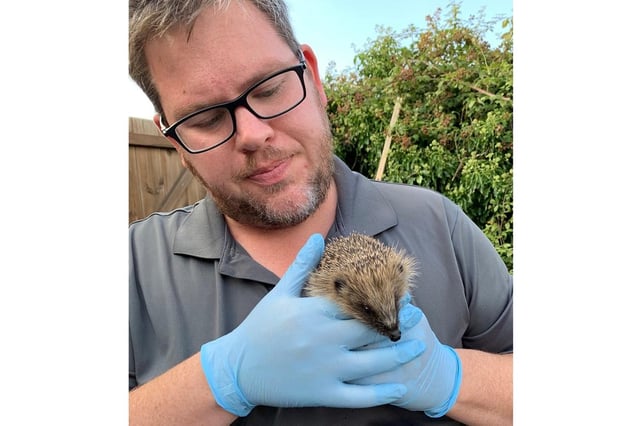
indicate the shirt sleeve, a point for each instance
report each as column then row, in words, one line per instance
column 488, row 285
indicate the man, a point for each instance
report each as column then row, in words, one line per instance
column 212, row 341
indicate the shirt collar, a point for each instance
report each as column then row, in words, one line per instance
column 361, row 206
column 202, row 234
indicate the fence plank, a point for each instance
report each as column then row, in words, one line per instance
column 145, row 133
column 157, row 180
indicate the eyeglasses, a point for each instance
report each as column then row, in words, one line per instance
column 214, row 125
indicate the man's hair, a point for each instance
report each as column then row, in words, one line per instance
column 154, row 18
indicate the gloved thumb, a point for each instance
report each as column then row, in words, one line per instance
column 307, row 259
column 409, row 316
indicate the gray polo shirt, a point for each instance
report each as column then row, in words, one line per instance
column 190, row 283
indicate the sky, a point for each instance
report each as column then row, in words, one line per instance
column 333, row 28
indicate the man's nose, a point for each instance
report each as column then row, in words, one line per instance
column 251, row 132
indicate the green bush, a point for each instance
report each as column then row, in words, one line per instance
column 454, row 133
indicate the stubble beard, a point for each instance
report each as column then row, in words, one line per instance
column 257, row 211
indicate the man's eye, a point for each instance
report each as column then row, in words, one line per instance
column 210, row 119
column 266, row 92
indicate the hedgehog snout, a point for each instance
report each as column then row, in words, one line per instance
column 391, row 329
column 395, row 335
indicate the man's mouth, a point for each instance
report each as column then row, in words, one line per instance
column 269, row 174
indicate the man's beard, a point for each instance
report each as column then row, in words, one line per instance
column 255, row 211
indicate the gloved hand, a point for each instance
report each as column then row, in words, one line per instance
column 294, row 351
column 433, row 379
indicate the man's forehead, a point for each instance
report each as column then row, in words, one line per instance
column 216, row 59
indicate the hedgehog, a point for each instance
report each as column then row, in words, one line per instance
column 366, row 279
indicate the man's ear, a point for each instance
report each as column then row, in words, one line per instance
column 312, row 65
column 176, row 145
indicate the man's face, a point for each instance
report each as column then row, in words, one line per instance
column 271, row 173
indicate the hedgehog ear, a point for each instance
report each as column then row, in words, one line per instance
column 339, row 284
column 400, row 268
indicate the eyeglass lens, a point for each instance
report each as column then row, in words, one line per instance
column 270, row 98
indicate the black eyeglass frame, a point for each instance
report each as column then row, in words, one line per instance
column 237, row 102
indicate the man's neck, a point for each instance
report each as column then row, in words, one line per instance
column 275, row 249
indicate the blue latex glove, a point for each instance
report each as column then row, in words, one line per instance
column 433, row 379
column 294, row 351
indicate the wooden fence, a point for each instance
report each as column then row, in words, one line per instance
column 157, row 180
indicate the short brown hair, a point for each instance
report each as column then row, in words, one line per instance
column 153, row 18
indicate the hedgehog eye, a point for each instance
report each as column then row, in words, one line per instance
column 400, row 267
column 365, row 308
column 339, row 284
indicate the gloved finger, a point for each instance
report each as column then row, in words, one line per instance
column 409, row 316
column 347, row 331
column 350, row 334
column 404, row 300
column 364, row 396
column 306, row 260
column 369, row 362
column 328, row 307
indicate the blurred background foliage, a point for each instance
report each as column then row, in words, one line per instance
column 454, row 132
